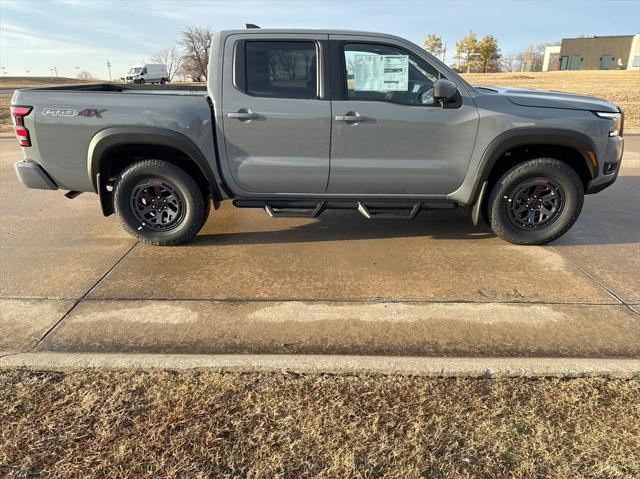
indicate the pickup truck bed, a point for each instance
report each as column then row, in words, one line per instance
column 69, row 119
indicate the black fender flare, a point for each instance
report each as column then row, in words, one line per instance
column 115, row 136
column 531, row 136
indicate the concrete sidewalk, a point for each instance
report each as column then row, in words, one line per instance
column 73, row 283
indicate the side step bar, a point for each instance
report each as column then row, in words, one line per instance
column 276, row 212
column 387, row 213
column 370, row 209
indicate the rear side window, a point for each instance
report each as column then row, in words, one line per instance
column 281, row 69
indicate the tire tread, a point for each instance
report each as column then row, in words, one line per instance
column 177, row 172
column 506, row 231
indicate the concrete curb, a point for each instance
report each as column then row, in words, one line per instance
column 330, row 364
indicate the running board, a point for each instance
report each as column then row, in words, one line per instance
column 386, row 213
column 293, row 212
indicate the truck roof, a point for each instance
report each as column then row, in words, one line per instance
column 258, row 31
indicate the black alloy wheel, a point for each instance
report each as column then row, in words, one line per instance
column 535, row 204
column 157, row 204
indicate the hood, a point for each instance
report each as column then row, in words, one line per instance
column 549, row 99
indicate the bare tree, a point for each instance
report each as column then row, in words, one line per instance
column 189, row 70
column 509, row 63
column 171, row 58
column 85, row 75
column 196, row 42
column 531, row 59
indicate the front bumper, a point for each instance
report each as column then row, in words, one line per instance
column 608, row 166
column 32, row 175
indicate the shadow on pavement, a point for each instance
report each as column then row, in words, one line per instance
column 344, row 225
column 610, row 217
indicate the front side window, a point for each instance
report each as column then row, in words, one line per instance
column 281, row 69
column 386, row 73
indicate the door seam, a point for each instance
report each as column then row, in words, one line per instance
column 326, row 186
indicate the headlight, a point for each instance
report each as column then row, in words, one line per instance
column 617, row 121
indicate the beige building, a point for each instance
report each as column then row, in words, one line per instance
column 551, row 60
column 620, row 52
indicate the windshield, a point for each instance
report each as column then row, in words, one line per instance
column 135, row 70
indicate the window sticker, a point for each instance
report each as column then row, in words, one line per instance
column 381, row 72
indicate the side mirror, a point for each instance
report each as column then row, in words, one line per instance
column 444, row 90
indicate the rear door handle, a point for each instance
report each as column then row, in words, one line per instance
column 243, row 115
column 354, row 118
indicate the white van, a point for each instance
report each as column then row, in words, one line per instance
column 148, row 73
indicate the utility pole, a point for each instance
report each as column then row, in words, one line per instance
column 444, row 52
column 4, row 70
column 109, row 67
column 54, row 70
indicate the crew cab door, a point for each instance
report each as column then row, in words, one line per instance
column 276, row 125
column 389, row 135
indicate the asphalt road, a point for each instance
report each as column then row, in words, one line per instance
column 72, row 280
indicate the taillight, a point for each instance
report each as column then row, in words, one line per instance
column 17, row 117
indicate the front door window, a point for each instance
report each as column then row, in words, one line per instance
column 385, row 73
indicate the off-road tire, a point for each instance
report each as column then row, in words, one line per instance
column 192, row 201
column 557, row 173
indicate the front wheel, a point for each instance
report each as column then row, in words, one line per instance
column 159, row 203
column 536, row 201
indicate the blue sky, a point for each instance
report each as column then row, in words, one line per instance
column 38, row 34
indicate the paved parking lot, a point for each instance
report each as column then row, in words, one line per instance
column 72, row 280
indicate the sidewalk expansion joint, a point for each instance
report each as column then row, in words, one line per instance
column 240, row 299
column 599, row 283
column 2, row 356
column 84, row 295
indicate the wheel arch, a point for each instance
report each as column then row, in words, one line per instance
column 535, row 139
column 109, row 139
column 580, row 151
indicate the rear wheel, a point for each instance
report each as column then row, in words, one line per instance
column 159, row 203
column 536, row 201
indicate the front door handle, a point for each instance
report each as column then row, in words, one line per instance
column 243, row 115
column 352, row 117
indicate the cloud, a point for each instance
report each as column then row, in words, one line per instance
column 47, row 43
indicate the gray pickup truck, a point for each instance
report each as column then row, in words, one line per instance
column 300, row 121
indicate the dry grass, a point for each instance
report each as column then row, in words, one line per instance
column 621, row 87
column 10, row 83
column 206, row 424
column 5, row 117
